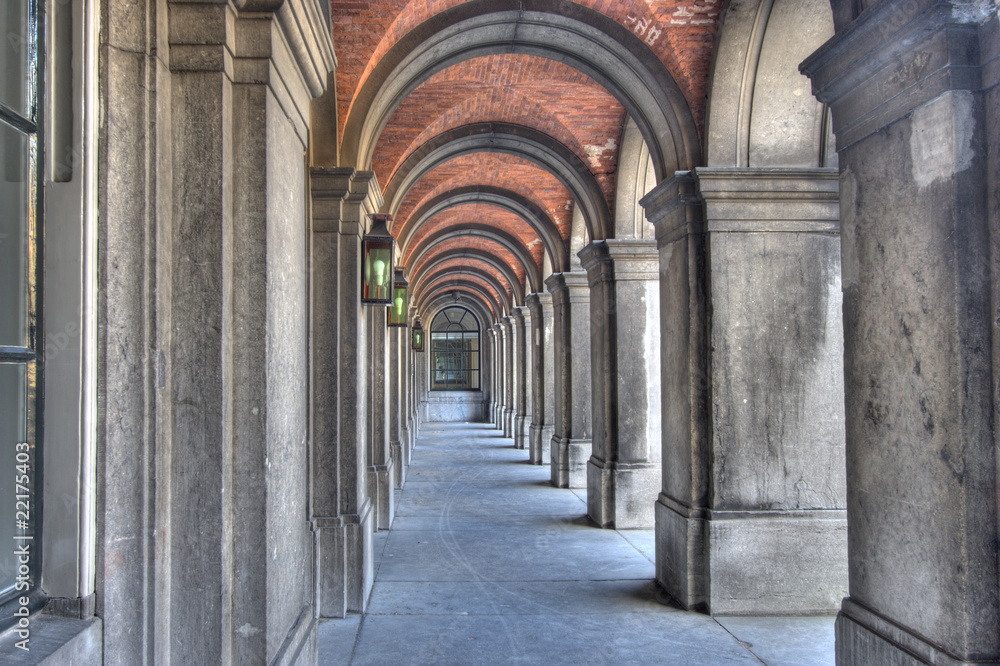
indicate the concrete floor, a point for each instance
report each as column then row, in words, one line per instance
column 487, row 563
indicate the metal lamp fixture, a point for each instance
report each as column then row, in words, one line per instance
column 378, row 248
column 417, row 337
column 396, row 313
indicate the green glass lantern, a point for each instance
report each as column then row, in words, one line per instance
column 397, row 311
column 417, row 337
column 377, row 250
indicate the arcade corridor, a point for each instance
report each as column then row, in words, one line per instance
column 487, row 562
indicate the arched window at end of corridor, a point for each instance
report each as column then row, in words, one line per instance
column 454, row 351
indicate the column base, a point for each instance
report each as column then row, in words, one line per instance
column 521, row 427
column 865, row 637
column 381, row 486
column 398, row 464
column 345, row 563
column 498, row 417
column 508, row 422
column 569, row 462
column 622, row 495
column 540, row 443
column 751, row 562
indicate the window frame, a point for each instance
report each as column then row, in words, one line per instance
column 436, row 330
column 31, row 356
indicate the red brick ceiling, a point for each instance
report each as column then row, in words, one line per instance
column 528, row 90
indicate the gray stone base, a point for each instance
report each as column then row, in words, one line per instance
column 498, row 417
column 381, row 488
column 399, row 465
column 569, row 462
column 865, row 637
column 521, row 428
column 540, row 443
column 344, row 563
column 751, row 562
column 508, row 422
column 622, row 495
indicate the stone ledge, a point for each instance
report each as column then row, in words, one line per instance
column 56, row 640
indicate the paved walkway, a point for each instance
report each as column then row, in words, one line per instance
column 487, row 563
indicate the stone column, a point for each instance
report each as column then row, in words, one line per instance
column 571, row 439
column 498, row 376
column 623, row 473
column 522, row 361
column 406, row 446
column 381, row 473
column 394, row 407
column 342, row 515
column 509, row 375
column 913, row 89
column 543, row 378
column 750, row 517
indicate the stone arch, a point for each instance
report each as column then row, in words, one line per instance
column 429, row 277
column 521, row 206
column 532, row 273
column 479, row 255
column 635, row 178
column 443, row 301
column 578, row 36
column 511, row 139
column 456, row 285
column 761, row 111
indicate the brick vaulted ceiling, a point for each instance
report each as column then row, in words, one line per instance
column 458, row 217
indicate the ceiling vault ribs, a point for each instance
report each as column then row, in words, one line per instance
column 495, row 123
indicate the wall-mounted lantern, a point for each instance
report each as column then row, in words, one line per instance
column 417, row 337
column 377, row 250
column 397, row 311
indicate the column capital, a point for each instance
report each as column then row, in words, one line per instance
column 895, row 57
column 674, row 208
column 570, row 282
column 342, row 197
column 620, row 260
column 518, row 314
column 770, row 199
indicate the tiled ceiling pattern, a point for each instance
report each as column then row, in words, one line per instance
column 545, row 95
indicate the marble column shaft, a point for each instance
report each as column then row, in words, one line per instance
column 543, row 378
column 395, row 406
column 623, row 472
column 913, row 87
column 571, row 439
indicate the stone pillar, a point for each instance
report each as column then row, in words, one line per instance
column 381, row 473
column 509, row 375
column 543, row 378
column 405, row 441
column 522, row 361
column 498, row 376
column 394, row 407
column 342, row 515
column 623, row 473
column 750, row 517
column 913, row 89
column 571, row 440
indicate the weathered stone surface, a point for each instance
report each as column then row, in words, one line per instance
column 771, row 277
column 543, row 380
column 623, row 472
column 572, row 387
column 921, row 447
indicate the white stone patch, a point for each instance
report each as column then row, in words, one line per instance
column 595, row 153
column 248, row 630
column 973, row 11
column 941, row 138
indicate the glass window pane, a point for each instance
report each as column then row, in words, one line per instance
column 14, row 61
column 13, row 237
column 13, row 394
